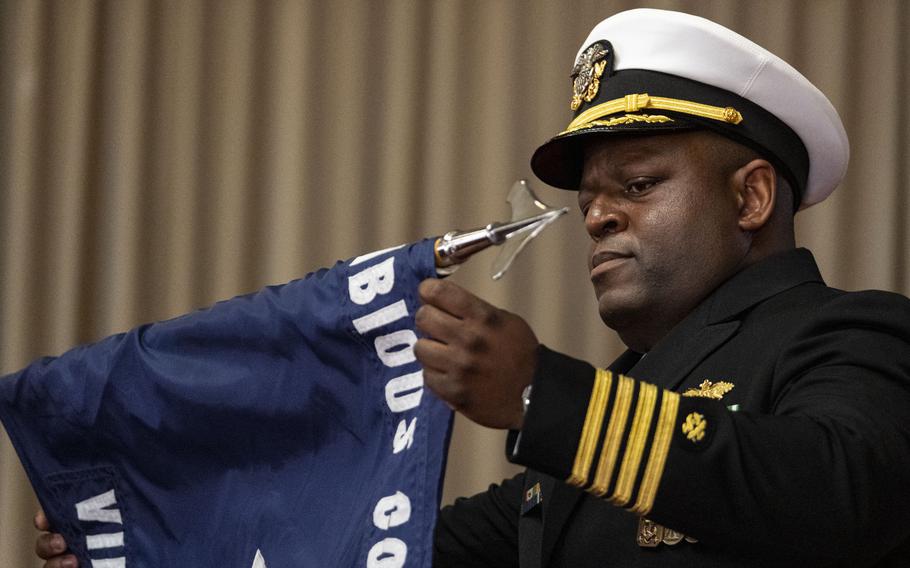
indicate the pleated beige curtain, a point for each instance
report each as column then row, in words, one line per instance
column 156, row 156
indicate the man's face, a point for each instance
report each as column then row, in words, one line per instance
column 662, row 214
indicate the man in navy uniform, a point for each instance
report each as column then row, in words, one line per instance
column 758, row 417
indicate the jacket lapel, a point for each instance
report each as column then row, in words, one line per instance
column 555, row 513
column 689, row 343
column 531, row 542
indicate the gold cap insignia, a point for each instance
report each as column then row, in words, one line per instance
column 694, row 427
column 707, row 389
column 587, row 72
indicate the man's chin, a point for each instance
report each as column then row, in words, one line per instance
column 619, row 310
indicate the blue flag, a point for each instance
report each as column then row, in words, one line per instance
column 287, row 428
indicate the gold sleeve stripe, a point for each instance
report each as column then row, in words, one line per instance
column 658, row 456
column 613, row 438
column 590, row 431
column 636, row 102
column 635, row 446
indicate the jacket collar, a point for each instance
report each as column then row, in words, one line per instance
column 759, row 282
column 716, row 319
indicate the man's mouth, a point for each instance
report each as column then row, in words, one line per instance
column 604, row 261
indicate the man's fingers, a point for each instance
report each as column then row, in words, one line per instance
column 441, row 326
column 68, row 561
column 453, row 299
column 41, row 522
column 49, row 545
column 449, row 392
column 436, row 361
column 433, row 355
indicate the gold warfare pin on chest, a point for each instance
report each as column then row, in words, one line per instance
column 708, row 389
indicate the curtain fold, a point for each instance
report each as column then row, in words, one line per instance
column 157, row 156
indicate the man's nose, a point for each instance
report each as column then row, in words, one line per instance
column 604, row 218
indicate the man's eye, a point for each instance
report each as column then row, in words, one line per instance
column 640, row 185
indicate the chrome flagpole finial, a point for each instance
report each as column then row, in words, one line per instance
column 529, row 217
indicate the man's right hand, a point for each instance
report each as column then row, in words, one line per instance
column 51, row 546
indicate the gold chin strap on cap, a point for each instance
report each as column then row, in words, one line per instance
column 636, row 102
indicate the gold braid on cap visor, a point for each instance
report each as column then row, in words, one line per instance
column 636, row 102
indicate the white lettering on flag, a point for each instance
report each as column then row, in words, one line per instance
column 387, row 553
column 404, row 392
column 404, row 435
column 107, row 540
column 109, row 563
column 259, row 561
column 95, row 509
column 392, row 511
column 381, row 317
column 364, row 286
column 396, row 348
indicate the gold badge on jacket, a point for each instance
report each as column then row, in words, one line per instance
column 707, row 389
column 651, row 534
column 694, row 427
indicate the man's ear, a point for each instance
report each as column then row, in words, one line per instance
column 756, row 187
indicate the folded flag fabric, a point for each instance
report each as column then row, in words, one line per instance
column 286, row 428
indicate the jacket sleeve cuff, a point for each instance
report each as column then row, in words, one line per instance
column 562, row 388
column 605, row 433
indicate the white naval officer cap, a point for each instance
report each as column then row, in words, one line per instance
column 648, row 70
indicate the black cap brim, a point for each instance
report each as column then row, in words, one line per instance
column 558, row 162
